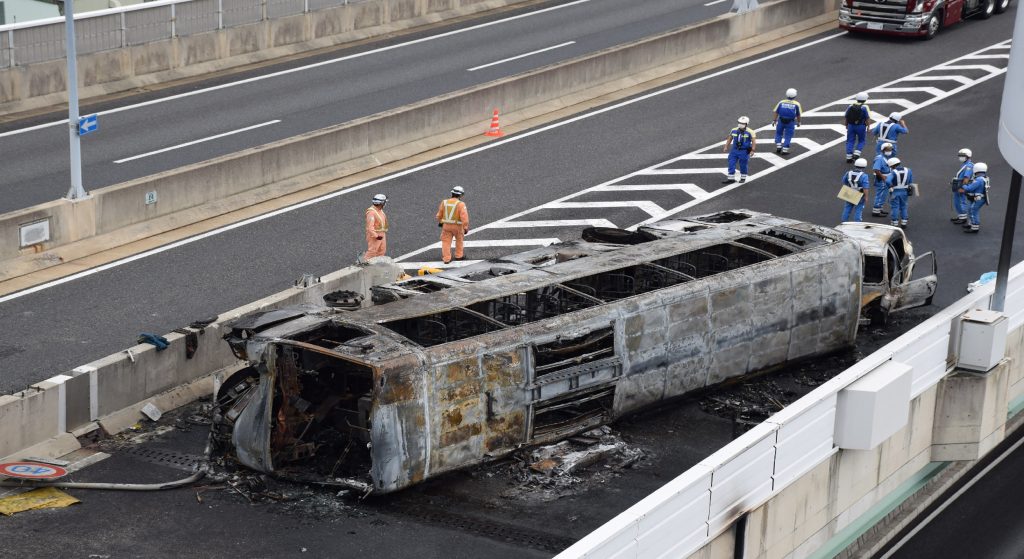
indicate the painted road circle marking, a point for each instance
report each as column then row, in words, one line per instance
column 32, row 470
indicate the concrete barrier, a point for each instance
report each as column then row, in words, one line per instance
column 44, row 84
column 806, row 493
column 109, row 392
column 119, row 214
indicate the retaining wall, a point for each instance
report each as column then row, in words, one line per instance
column 805, row 494
column 119, row 214
column 111, row 390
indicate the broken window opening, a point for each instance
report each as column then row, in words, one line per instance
column 765, row 245
column 627, row 282
column 573, row 412
column 723, row 217
column 382, row 294
column 874, row 269
column 565, row 353
column 798, row 238
column 442, row 327
column 330, row 335
column 714, row 259
column 321, row 413
column 534, row 305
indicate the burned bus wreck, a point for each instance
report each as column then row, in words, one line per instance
column 454, row 369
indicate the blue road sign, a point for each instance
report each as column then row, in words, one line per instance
column 87, row 124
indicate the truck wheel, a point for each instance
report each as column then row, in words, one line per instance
column 934, row 24
column 987, row 9
column 1002, row 5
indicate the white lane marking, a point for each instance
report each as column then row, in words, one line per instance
column 194, row 142
column 715, row 2
column 557, row 223
column 960, row 79
column 517, row 57
column 701, row 171
column 689, row 188
column 302, row 68
column 411, row 170
column 648, row 207
column 951, row 499
column 922, row 89
column 985, row 67
column 698, row 154
column 990, row 56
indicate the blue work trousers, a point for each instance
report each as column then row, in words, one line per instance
column 784, row 133
column 881, row 195
column 972, row 210
column 960, row 204
column 741, row 157
column 878, row 147
column 856, row 134
column 858, row 210
column 899, row 206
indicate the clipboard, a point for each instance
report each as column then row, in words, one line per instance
column 851, row 195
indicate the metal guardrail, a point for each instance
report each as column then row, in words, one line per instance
column 41, row 40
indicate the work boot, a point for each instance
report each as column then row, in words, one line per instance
column 778, row 148
column 460, row 258
column 904, row 225
column 728, row 180
column 879, row 213
column 743, row 179
column 849, row 158
column 973, row 230
column 785, row 151
column 958, row 220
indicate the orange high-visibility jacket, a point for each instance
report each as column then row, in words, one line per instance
column 376, row 222
column 453, row 212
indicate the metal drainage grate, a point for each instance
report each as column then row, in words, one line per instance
column 169, row 458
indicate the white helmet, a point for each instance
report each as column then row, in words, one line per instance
column 886, row 146
column 791, row 93
column 458, row 191
column 895, row 162
column 965, row 153
column 980, row 167
column 862, row 96
column 895, row 116
column 379, row 200
column 860, row 163
column 743, row 120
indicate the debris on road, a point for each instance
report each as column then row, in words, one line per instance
column 44, row 498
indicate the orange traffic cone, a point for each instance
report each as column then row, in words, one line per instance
column 495, row 129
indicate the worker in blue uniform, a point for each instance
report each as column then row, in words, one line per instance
column 900, row 178
column 787, row 118
column 857, row 119
column 889, row 132
column 977, row 196
column 740, row 145
column 856, row 179
column 962, row 178
column 880, row 168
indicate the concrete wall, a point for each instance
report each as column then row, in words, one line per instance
column 111, row 390
column 803, row 494
column 43, row 84
column 118, row 214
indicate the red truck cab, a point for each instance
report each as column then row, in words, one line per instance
column 914, row 18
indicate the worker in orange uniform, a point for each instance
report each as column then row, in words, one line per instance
column 376, row 228
column 453, row 219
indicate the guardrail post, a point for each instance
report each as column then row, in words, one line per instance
column 305, row 6
column 124, row 32
column 263, row 10
column 173, row 17
column 220, row 14
column 10, row 46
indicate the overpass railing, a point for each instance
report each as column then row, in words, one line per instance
column 41, row 40
column 688, row 512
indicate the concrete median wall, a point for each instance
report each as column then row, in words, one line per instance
column 119, row 214
column 43, row 84
column 110, row 391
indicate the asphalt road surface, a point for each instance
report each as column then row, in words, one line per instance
column 56, row 329
column 224, row 115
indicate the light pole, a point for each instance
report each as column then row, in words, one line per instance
column 76, row 192
column 1011, row 145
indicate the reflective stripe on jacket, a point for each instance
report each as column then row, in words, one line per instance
column 376, row 220
column 453, row 212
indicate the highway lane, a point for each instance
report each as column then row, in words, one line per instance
column 983, row 521
column 58, row 328
column 218, row 118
